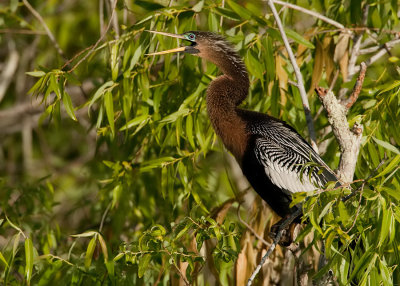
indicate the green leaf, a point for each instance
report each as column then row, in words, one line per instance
column 299, row 39
column 198, row 7
column 174, row 116
column 362, row 262
column 116, row 194
column 28, row 259
column 36, row 73
column 390, row 87
column 156, row 163
column 226, row 13
column 85, row 234
column 386, row 145
column 89, row 251
column 109, row 105
column 3, row 260
column 143, row 264
column 240, row 10
column 100, row 92
column 68, row 105
column 103, row 246
column 390, row 167
column 135, row 121
column 189, row 131
column 135, row 58
column 385, row 222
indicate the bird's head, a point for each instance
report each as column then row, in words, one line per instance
column 212, row 47
column 206, row 45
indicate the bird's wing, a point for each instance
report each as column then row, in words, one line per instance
column 289, row 161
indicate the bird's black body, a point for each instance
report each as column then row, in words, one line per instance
column 275, row 159
column 283, row 146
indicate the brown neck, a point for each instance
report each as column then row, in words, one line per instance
column 223, row 96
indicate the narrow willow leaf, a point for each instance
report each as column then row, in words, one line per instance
column 103, row 246
column 36, row 73
column 119, row 256
column 298, row 38
column 189, row 131
column 198, row 7
column 89, row 252
column 143, row 264
column 3, row 260
column 212, row 22
column 68, row 105
column 110, row 265
column 100, row 92
column 240, row 10
column 361, row 264
column 114, row 62
column 226, row 13
column 109, row 106
column 135, row 58
column 156, row 163
column 16, row 243
column 385, row 222
column 390, row 167
column 386, row 145
column 116, row 194
column 174, row 116
column 390, row 87
column 28, row 259
column 385, row 273
column 85, row 234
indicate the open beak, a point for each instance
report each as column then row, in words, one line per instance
column 180, row 49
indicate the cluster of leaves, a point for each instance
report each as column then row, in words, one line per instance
column 160, row 172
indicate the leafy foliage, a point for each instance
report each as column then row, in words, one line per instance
column 153, row 201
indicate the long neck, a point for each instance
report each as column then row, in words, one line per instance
column 224, row 94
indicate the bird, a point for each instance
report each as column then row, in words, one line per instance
column 276, row 160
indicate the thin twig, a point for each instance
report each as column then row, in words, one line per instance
column 356, row 46
column 48, row 32
column 277, row 238
column 357, row 87
column 389, row 44
column 358, row 208
column 103, row 218
column 98, row 41
column 22, row 31
column 312, row 13
column 300, row 82
column 250, row 228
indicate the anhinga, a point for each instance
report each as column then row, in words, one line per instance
column 273, row 156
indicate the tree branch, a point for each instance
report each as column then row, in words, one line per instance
column 349, row 140
column 300, row 82
column 312, row 13
column 277, row 238
column 98, row 41
column 357, row 87
column 48, row 32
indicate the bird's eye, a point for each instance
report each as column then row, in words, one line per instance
column 190, row 37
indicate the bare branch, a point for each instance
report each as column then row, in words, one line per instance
column 98, row 41
column 357, row 88
column 300, row 82
column 48, row 32
column 312, row 13
column 250, row 228
column 349, row 140
column 278, row 237
column 7, row 75
column 357, row 44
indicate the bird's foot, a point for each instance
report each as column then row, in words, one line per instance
column 287, row 233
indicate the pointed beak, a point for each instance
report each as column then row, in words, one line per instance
column 179, row 49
